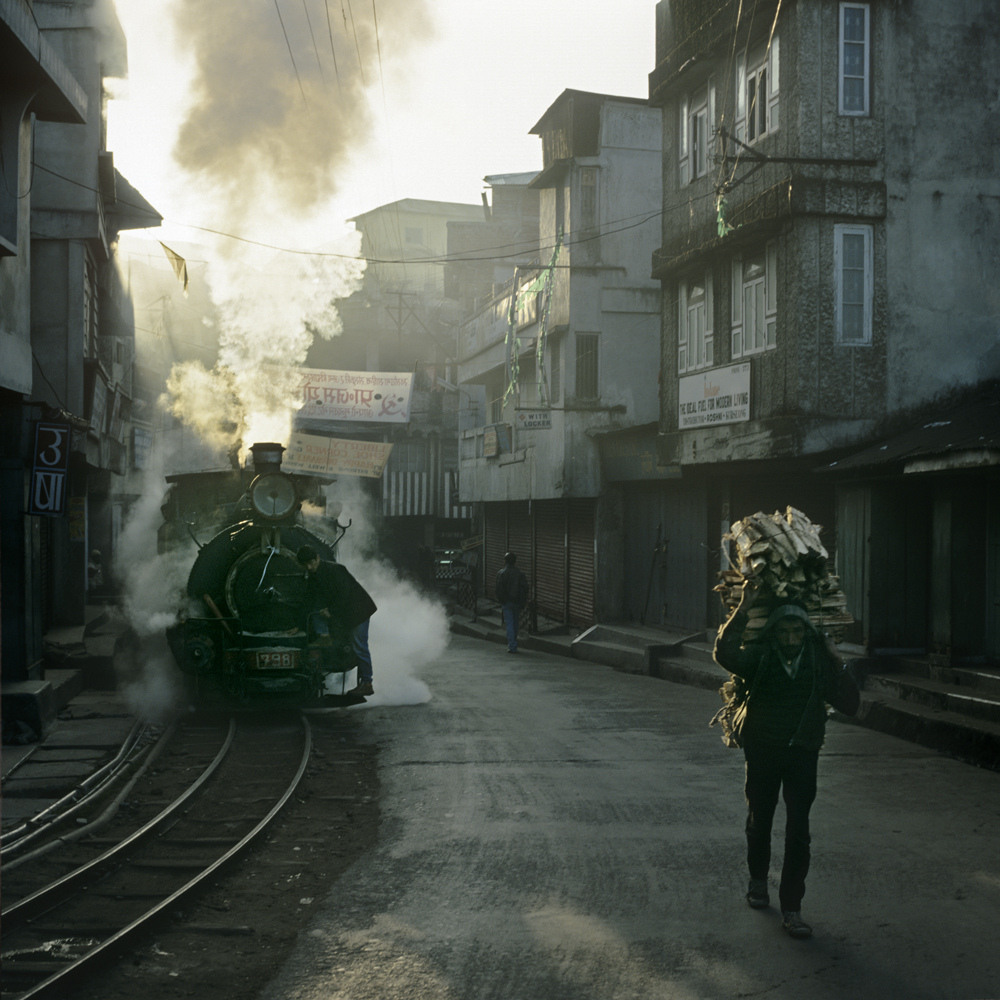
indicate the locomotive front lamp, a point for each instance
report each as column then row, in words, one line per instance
column 273, row 496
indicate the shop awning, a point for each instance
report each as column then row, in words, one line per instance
column 966, row 436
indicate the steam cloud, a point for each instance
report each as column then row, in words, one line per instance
column 266, row 327
column 279, row 102
column 279, row 118
column 270, row 123
column 409, row 629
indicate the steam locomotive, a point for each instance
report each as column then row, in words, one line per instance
column 240, row 638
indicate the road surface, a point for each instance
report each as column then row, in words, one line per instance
column 555, row 829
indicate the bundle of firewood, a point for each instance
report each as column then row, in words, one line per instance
column 784, row 553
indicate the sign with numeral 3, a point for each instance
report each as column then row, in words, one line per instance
column 49, row 469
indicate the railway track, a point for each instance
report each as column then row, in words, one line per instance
column 58, row 935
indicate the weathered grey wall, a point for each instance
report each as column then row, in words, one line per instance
column 57, row 334
column 15, row 285
column 943, row 176
column 932, row 199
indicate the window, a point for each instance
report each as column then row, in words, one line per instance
column 586, row 365
column 695, row 347
column 697, row 127
column 754, row 301
column 588, row 197
column 852, row 254
column 90, row 311
column 855, row 42
column 590, row 232
column 496, row 387
column 757, row 92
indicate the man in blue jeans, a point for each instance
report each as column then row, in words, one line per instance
column 512, row 593
column 337, row 600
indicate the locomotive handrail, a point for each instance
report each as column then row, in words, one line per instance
column 343, row 531
column 270, row 556
column 201, row 545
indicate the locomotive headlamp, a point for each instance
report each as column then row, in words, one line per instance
column 273, row 496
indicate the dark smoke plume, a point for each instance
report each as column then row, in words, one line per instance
column 278, row 117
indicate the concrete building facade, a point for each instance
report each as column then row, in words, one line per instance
column 401, row 321
column 560, row 354
column 67, row 322
column 828, row 264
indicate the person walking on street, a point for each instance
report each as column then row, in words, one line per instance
column 512, row 593
column 337, row 601
column 791, row 673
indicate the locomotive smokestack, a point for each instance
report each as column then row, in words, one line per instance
column 267, row 457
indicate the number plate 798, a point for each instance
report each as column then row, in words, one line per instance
column 275, row 661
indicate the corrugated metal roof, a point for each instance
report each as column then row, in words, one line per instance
column 965, row 436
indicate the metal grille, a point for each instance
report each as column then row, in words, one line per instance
column 586, row 365
column 581, row 562
column 406, row 493
column 550, row 558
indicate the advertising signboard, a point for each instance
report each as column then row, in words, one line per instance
column 335, row 456
column 380, row 397
column 717, row 396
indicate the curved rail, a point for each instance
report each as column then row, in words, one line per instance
column 38, row 902
column 94, row 785
column 56, row 984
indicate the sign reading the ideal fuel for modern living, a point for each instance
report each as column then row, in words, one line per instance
column 718, row 396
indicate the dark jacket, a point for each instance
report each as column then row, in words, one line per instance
column 512, row 586
column 780, row 710
column 332, row 588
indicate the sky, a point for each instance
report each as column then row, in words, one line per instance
column 225, row 125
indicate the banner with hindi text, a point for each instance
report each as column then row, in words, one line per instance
column 381, row 397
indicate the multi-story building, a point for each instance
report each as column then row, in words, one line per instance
column 564, row 352
column 829, row 272
column 36, row 85
column 67, row 320
column 400, row 321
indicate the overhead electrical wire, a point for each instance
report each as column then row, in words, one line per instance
column 333, row 51
column 305, row 7
column 456, row 258
column 291, row 55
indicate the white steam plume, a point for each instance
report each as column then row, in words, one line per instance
column 409, row 629
column 153, row 589
column 267, row 325
column 281, row 94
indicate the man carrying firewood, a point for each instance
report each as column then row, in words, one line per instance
column 791, row 673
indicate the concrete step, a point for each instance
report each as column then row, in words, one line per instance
column 691, row 670
column 66, row 685
column 629, row 648
column 966, row 701
column 984, row 681
column 970, row 739
column 629, row 659
column 701, row 651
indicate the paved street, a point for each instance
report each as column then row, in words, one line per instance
column 555, row 829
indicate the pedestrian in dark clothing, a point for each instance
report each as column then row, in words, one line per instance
column 792, row 673
column 337, row 603
column 512, row 593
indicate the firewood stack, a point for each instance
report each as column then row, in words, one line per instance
column 785, row 554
